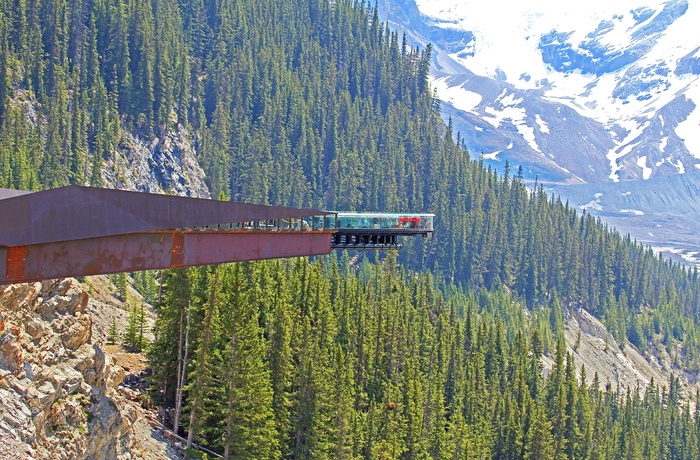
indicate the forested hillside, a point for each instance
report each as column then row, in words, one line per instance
column 316, row 103
column 311, row 103
column 308, row 360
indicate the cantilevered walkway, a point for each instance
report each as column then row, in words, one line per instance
column 78, row 231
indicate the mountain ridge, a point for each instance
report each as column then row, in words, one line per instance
column 611, row 102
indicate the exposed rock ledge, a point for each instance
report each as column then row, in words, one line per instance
column 58, row 394
column 156, row 165
column 620, row 365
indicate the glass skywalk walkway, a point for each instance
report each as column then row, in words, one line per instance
column 372, row 230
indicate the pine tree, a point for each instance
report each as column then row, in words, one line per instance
column 282, row 366
column 203, row 372
column 136, row 328
column 176, row 295
column 120, row 283
column 250, row 423
column 539, row 443
column 113, row 334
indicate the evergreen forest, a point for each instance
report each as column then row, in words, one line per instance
column 430, row 353
column 299, row 359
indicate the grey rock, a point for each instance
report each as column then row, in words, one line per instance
column 157, row 165
column 51, row 376
column 28, row 371
column 19, row 386
column 78, row 332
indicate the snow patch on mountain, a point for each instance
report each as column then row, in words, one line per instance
column 594, row 204
column 642, row 163
column 459, row 97
column 689, row 129
column 634, row 212
column 690, row 257
column 634, row 131
column 618, row 64
column 544, row 128
column 586, row 97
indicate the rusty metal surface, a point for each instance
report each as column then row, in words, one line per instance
column 145, row 251
column 15, row 267
column 3, row 259
column 177, row 250
column 97, row 255
column 207, row 248
column 71, row 213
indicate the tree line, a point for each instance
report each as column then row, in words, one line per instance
column 300, row 359
column 317, row 103
column 313, row 103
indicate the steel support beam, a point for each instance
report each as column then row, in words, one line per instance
column 155, row 250
column 3, row 262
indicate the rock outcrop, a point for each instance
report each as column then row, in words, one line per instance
column 58, row 394
column 156, row 165
column 621, row 365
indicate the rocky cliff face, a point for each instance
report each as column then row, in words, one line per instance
column 157, row 165
column 165, row 164
column 620, row 365
column 57, row 388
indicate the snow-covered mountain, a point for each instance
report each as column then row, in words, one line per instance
column 589, row 93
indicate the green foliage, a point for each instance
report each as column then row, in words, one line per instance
column 145, row 284
column 180, row 287
column 119, row 280
column 136, row 328
column 113, row 334
column 297, row 359
column 316, row 103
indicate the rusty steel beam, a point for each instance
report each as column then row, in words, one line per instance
column 155, row 250
column 3, row 262
column 77, row 231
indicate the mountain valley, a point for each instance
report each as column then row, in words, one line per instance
column 601, row 96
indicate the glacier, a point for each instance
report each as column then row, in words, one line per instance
column 579, row 94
